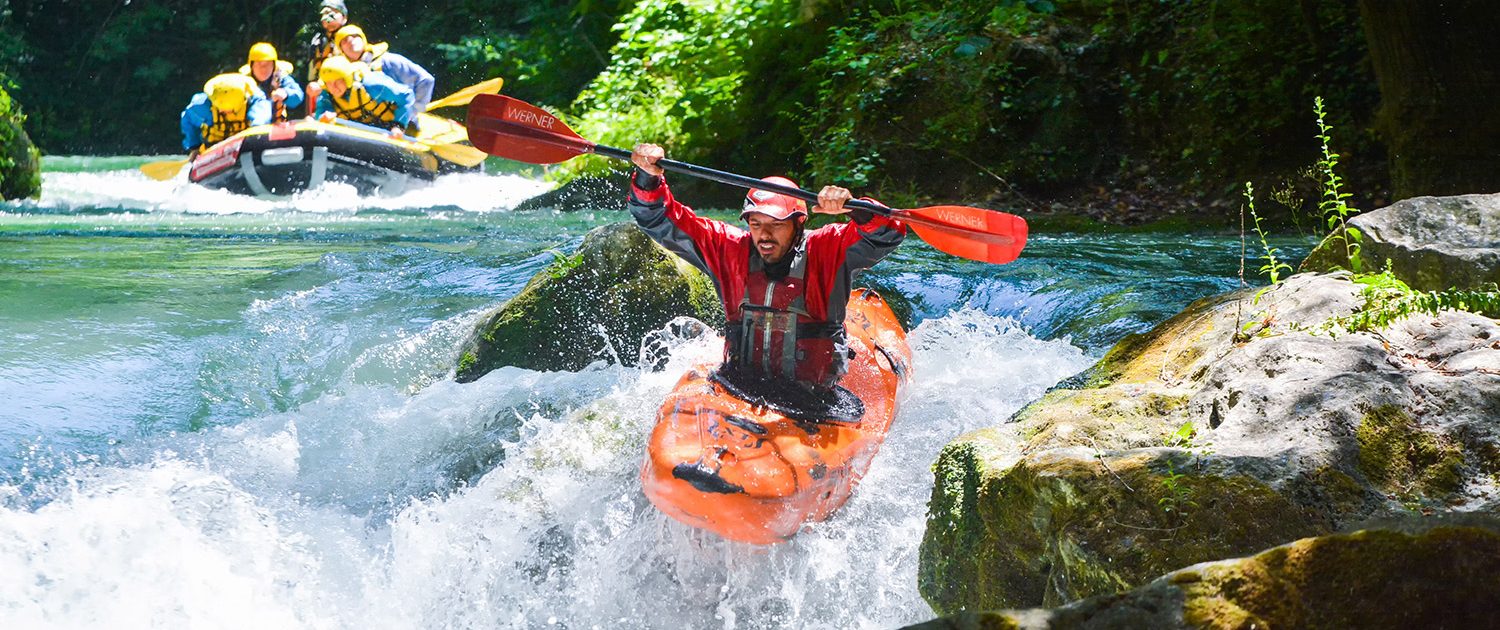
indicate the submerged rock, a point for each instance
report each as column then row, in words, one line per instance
column 1379, row 578
column 583, row 193
column 1101, row 485
column 20, row 164
column 597, row 303
column 1432, row 243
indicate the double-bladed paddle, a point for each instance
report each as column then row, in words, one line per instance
column 517, row 130
column 462, row 97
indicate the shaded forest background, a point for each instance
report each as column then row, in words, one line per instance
column 1127, row 108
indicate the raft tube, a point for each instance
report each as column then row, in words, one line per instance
column 284, row 159
column 752, row 470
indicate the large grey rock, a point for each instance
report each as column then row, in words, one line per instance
column 1444, row 577
column 1299, row 433
column 617, row 287
column 1433, row 243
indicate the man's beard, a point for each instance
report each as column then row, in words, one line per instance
column 779, row 269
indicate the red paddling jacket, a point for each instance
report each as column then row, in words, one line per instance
column 786, row 321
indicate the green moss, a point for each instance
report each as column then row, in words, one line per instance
column 466, row 362
column 597, row 303
column 1401, row 458
column 957, row 547
column 563, row 265
column 1141, row 358
column 20, row 164
column 1054, row 530
column 1366, row 579
column 970, row 621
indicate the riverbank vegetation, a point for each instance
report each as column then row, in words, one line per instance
column 1122, row 110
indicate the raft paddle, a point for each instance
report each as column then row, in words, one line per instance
column 517, row 130
column 462, row 97
column 164, row 170
column 460, row 154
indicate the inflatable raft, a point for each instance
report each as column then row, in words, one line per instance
column 287, row 158
column 736, row 458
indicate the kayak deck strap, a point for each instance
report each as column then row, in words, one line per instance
column 793, row 400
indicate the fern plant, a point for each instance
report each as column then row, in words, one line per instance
column 1273, row 266
column 1388, row 299
column 1334, row 205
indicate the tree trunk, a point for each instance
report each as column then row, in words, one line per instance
column 1435, row 61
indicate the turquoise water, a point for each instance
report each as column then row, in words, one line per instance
column 228, row 412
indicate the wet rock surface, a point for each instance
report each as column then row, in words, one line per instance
column 1386, row 577
column 1236, row 426
column 1432, row 243
column 597, row 304
column 583, row 194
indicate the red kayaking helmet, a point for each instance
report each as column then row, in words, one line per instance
column 775, row 205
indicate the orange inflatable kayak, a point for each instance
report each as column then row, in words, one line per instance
column 737, row 458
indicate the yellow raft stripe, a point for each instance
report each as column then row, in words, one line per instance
column 313, row 125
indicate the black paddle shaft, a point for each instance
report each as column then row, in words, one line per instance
column 734, row 179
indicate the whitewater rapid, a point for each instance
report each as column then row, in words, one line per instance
column 65, row 188
column 353, row 510
column 236, row 413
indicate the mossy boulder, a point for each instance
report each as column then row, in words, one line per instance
column 583, row 193
column 20, row 163
column 595, row 304
column 1432, row 243
column 1443, row 577
column 1237, row 425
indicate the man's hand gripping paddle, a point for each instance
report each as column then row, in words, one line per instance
column 516, row 130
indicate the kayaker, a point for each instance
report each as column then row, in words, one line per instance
column 351, row 41
column 228, row 104
column 274, row 77
column 332, row 16
column 370, row 98
column 784, row 288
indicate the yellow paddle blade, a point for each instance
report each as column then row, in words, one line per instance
column 460, row 154
column 439, row 130
column 462, row 97
column 163, row 171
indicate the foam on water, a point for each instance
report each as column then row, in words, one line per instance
column 513, row 501
column 130, row 190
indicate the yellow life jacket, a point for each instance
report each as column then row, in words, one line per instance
column 222, row 127
column 359, row 107
column 243, row 88
column 373, row 53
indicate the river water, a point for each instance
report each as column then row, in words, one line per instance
column 222, row 412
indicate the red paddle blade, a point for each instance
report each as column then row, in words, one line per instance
column 974, row 233
column 516, row 130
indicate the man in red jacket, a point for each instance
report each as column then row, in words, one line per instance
column 784, row 289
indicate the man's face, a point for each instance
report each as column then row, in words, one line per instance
column 337, row 88
column 332, row 20
column 262, row 69
column 353, row 47
column 772, row 238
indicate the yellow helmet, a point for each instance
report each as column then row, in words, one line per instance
column 262, row 51
column 229, row 92
column 336, row 68
column 346, row 32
